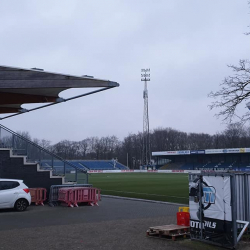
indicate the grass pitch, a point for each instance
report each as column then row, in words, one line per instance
column 150, row 186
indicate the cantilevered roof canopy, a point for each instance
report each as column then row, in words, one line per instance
column 19, row 86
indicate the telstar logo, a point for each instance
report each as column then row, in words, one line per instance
column 209, row 195
column 197, row 224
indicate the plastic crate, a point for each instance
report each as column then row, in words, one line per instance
column 183, row 219
column 184, row 209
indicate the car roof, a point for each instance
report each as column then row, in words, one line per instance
column 3, row 179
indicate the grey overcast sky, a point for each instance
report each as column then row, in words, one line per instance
column 186, row 44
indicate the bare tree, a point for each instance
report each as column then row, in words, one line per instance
column 234, row 134
column 234, row 90
column 199, row 141
column 84, row 147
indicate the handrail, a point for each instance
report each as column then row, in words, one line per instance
column 43, row 149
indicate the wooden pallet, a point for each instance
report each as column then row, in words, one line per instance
column 169, row 231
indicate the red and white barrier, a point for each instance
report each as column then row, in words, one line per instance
column 74, row 195
column 65, row 195
column 38, row 195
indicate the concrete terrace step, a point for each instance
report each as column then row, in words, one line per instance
column 16, row 167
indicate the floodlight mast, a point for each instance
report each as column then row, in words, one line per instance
column 146, row 153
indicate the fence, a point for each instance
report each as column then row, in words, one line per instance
column 54, row 191
column 38, row 195
column 72, row 196
column 219, row 207
column 242, row 182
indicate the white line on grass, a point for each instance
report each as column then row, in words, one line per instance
column 146, row 194
column 136, row 199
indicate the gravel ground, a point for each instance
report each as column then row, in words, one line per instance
column 115, row 224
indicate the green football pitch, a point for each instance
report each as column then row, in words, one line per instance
column 150, row 186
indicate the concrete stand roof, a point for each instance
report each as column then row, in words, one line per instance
column 19, row 86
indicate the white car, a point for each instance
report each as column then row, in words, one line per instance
column 14, row 194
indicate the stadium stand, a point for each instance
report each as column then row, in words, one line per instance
column 172, row 165
column 237, row 159
column 98, row 165
column 120, row 166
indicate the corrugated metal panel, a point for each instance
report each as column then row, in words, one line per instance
column 242, row 182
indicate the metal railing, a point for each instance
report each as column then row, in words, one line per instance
column 47, row 160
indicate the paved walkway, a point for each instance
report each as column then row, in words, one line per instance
column 115, row 224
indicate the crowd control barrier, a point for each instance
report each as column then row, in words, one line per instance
column 65, row 195
column 38, row 195
column 54, row 190
column 72, row 196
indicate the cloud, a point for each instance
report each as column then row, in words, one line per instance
column 187, row 45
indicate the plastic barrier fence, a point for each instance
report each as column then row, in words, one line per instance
column 65, row 195
column 75, row 195
column 38, row 195
column 54, row 190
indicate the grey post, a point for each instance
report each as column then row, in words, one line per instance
column 234, row 208
column 201, row 208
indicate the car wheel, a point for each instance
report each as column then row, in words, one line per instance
column 21, row 205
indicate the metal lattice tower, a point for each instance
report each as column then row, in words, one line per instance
column 146, row 153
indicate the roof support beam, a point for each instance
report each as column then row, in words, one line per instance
column 16, row 98
column 20, row 111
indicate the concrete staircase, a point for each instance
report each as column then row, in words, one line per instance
column 16, row 167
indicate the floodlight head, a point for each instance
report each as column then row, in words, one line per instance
column 145, row 74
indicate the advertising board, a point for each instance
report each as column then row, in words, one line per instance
column 214, row 151
column 142, row 171
column 183, row 152
column 231, row 150
column 210, row 209
column 95, row 171
column 197, row 152
column 206, row 151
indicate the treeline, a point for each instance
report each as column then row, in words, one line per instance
column 129, row 150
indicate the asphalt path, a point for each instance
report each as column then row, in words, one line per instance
column 115, row 224
column 109, row 209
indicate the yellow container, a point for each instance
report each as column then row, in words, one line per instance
column 184, row 209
